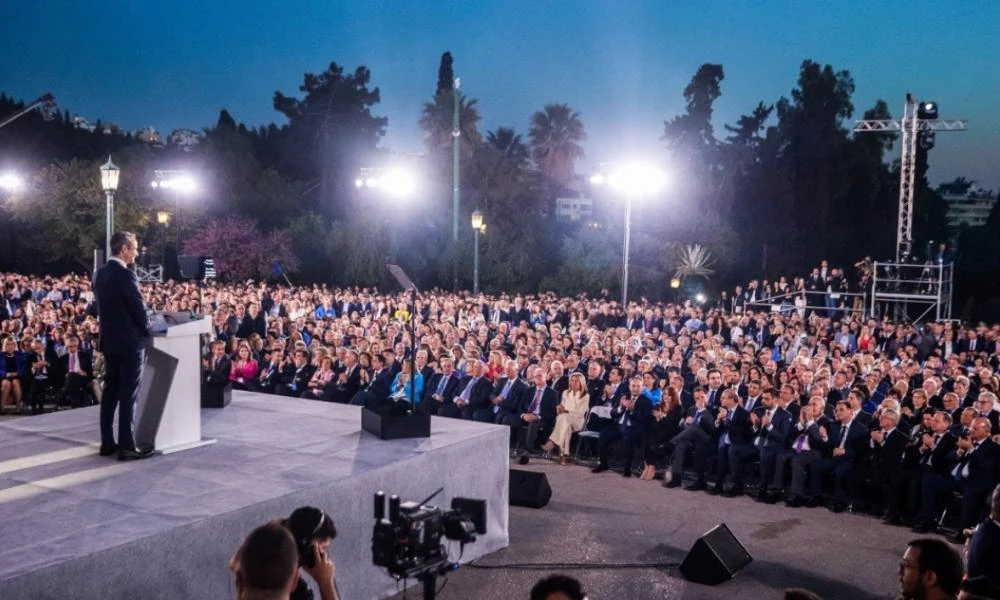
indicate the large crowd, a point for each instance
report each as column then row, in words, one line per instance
column 818, row 405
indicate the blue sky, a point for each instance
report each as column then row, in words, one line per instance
column 621, row 64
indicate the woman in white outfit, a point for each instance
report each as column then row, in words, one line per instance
column 570, row 416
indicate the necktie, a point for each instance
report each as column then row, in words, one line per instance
column 506, row 389
column 468, row 389
column 441, row 384
column 843, row 435
column 534, row 403
column 799, row 443
column 697, row 415
column 72, row 363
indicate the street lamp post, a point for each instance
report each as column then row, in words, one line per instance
column 477, row 227
column 109, row 182
column 635, row 180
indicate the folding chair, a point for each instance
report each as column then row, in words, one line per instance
column 585, row 433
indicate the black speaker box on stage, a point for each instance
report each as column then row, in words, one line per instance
column 715, row 557
column 388, row 426
column 529, row 489
column 216, row 396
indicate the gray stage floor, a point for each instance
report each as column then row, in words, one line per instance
column 605, row 518
column 60, row 501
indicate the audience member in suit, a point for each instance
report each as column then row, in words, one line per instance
column 538, row 410
column 807, row 447
column 272, row 373
column 42, row 372
column 975, row 472
column 937, row 459
column 985, row 406
column 630, row 421
column 595, row 382
column 377, row 385
column 903, row 500
column 665, row 425
column 441, row 388
column 697, row 437
column 472, row 402
column 848, row 442
column 124, row 329
column 771, row 431
column 347, row 381
column 884, row 463
column 301, row 373
column 856, row 398
column 984, row 546
column 506, row 398
column 78, row 367
column 215, row 369
column 735, row 433
column 753, row 403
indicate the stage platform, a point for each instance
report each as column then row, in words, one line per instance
column 76, row 525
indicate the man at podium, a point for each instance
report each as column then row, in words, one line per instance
column 123, row 332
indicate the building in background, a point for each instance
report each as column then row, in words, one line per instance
column 968, row 205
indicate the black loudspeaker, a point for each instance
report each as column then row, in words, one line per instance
column 216, row 396
column 715, row 557
column 529, row 489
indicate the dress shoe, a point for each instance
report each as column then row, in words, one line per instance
column 715, row 490
column 697, row 486
column 838, row 507
column 812, row 502
column 891, row 519
column 794, row 502
column 125, row 455
column 563, row 460
column 673, row 483
column 599, row 469
column 107, row 450
column 766, row 498
column 735, row 491
column 922, row 528
column 627, row 473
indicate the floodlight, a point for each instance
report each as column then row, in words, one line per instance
column 359, row 182
column 397, row 182
column 638, row 179
column 675, row 283
column 597, row 179
column 700, row 298
column 10, row 182
column 371, row 182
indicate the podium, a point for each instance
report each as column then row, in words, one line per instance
column 168, row 416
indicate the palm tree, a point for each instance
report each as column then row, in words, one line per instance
column 437, row 122
column 508, row 143
column 555, row 136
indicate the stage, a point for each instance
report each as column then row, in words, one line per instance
column 74, row 524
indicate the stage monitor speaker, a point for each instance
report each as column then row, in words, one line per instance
column 529, row 489
column 715, row 557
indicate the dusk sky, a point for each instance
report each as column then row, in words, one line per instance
column 621, row 64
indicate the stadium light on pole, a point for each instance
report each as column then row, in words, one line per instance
column 635, row 180
column 179, row 183
column 109, row 183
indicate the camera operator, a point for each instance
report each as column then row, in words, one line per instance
column 313, row 530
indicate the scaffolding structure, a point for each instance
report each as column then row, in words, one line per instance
column 911, row 292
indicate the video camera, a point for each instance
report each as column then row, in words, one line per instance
column 409, row 542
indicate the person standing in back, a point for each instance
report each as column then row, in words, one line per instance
column 124, row 329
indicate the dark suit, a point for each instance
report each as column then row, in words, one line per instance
column 975, row 476
column 545, row 409
column 884, row 465
column 451, row 387
column 298, row 382
column 936, row 480
column 376, row 393
column 476, row 394
column 855, row 444
column 806, row 448
column 269, row 376
column 629, row 426
column 770, row 442
column 124, row 329
column 508, row 411
column 76, row 385
column 984, row 552
column 697, row 437
column 735, row 447
column 343, row 392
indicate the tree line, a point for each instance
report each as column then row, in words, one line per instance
column 771, row 194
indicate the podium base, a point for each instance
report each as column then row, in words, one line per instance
column 390, row 427
column 185, row 446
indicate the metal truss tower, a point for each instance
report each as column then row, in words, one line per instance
column 911, row 127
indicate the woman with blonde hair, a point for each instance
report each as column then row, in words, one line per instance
column 570, row 416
